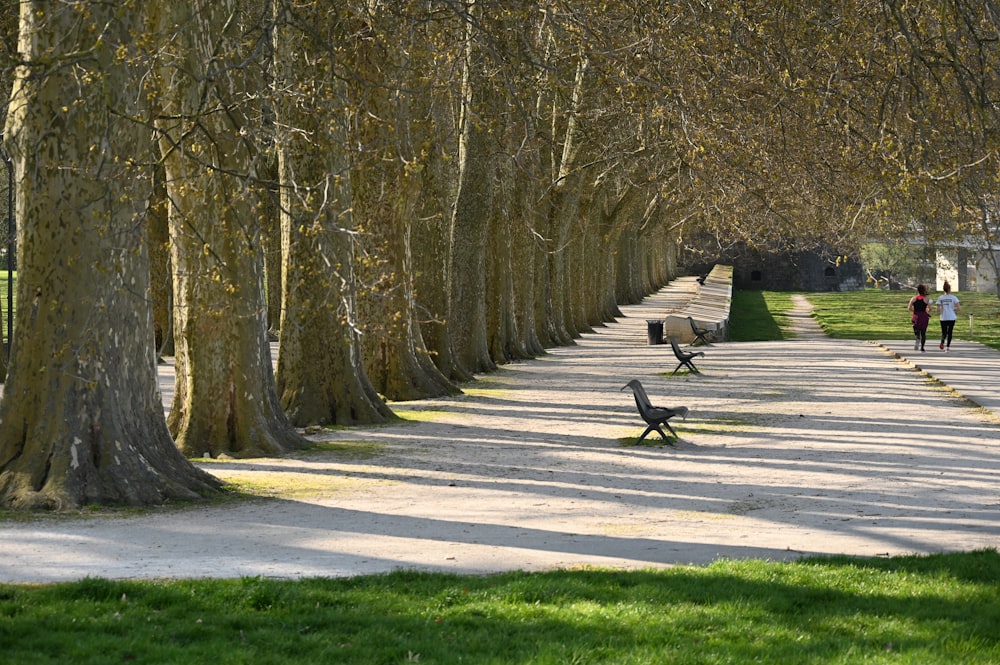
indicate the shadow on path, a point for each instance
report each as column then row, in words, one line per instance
column 809, row 446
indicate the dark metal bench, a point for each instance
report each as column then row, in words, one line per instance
column 654, row 415
column 700, row 334
column 685, row 357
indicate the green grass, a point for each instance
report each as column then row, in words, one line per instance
column 876, row 314
column 871, row 314
column 758, row 316
column 918, row 610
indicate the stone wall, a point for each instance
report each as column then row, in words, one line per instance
column 803, row 271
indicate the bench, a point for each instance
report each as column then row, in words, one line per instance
column 654, row 415
column 685, row 357
column 700, row 334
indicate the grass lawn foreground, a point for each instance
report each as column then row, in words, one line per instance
column 920, row 610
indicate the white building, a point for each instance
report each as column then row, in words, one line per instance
column 966, row 268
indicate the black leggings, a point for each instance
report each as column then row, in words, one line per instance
column 947, row 328
column 921, row 335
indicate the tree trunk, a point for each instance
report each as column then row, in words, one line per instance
column 564, row 209
column 430, row 237
column 400, row 365
column 321, row 377
column 528, row 220
column 467, row 293
column 271, row 244
column 430, row 248
column 226, row 401
column 82, row 415
column 395, row 126
column 505, row 340
column 161, row 280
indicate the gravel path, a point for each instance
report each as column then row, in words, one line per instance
column 807, row 446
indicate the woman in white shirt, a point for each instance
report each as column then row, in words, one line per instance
column 948, row 308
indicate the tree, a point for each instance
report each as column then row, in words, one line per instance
column 887, row 263
column 947, row 147
column 394, row 94
column 226, row 400
column 161, row 275
column 8, row 32
column 321, row 377
column 82, row 415
column 473, row 201
column 6, row 236
column 515, row 33
column 766, row 101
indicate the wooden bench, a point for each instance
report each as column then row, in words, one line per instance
column 685, row 357
column 654, row 416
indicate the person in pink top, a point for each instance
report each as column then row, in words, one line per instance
column 920, row 306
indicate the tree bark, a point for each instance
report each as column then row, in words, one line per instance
column 504, row 336
column 430, row 236
column 469, row 224
column 395, row 124
column 271, row 244
column 321, row 377
column 82, row 416
column 161, row 281
column 430, row 245
column 226, row 401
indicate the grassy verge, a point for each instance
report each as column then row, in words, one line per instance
column 869, row 315
column 875, row 314
column 927, row 610
column 759, row 316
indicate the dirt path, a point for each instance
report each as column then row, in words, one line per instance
column 804, row 326
column 809, row 446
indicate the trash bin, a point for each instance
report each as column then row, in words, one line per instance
column 654, row 331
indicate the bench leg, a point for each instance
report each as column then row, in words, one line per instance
column 690, row 365
column 662, row 434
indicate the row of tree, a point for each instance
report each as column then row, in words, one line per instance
column 408, row 193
